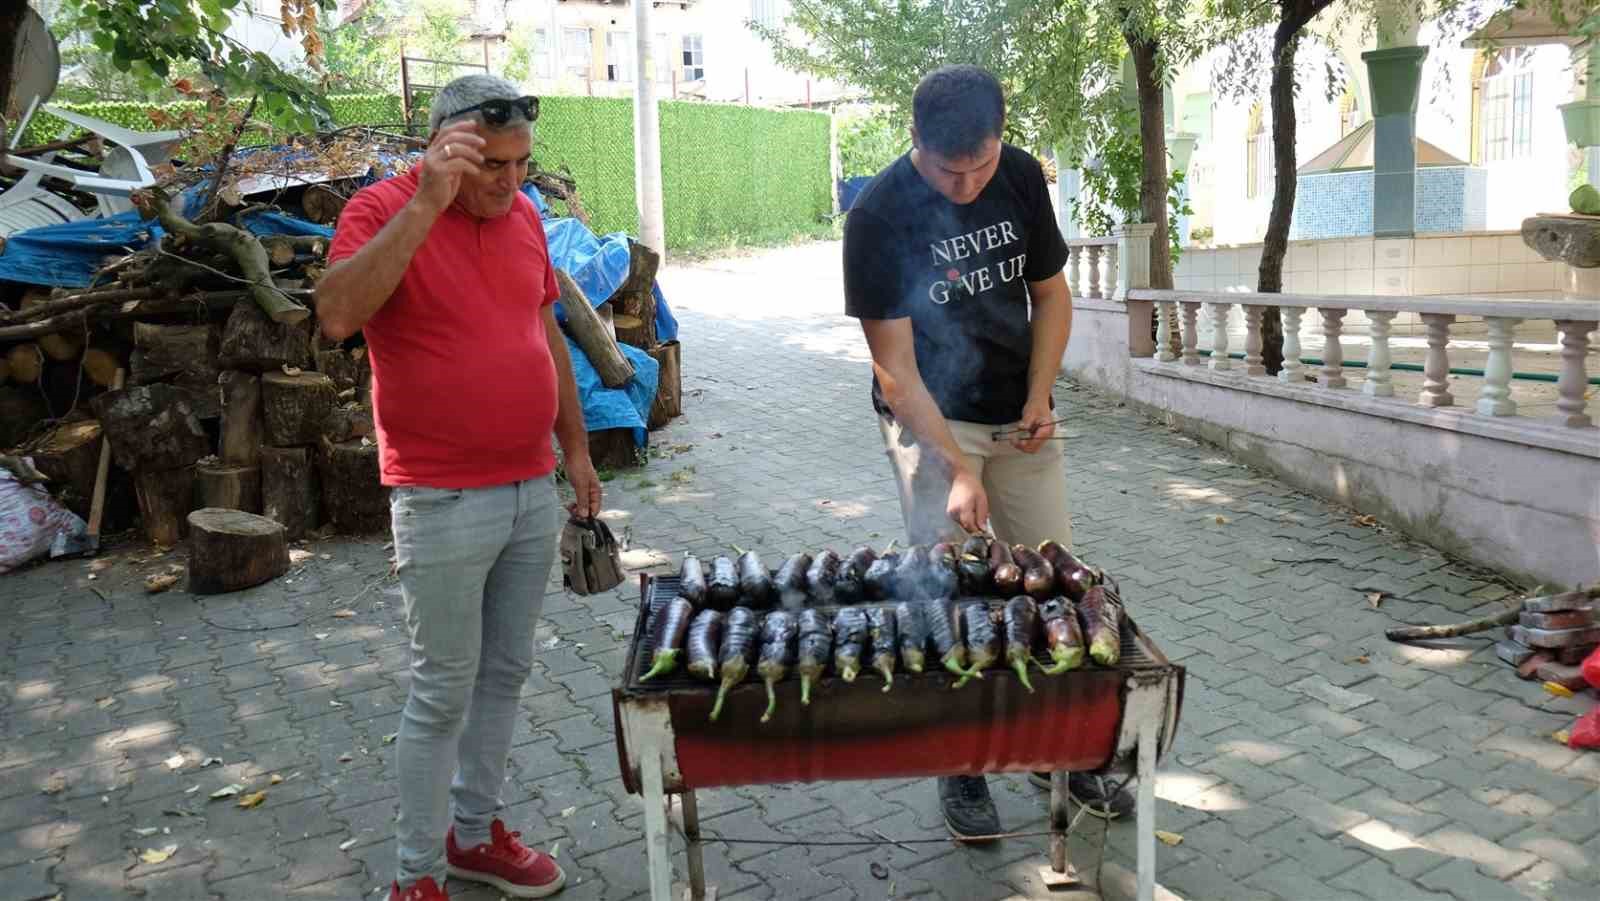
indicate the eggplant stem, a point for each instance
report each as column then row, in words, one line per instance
column 664, row 662
column 772, row 703
column 956, row 668
column 805, row 690
column 716, row 709
column 888, row 677
column 849, row 672
column 1022, row 673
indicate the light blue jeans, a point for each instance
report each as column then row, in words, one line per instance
column 473, row 565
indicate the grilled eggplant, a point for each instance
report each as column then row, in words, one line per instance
column 692, row 581
column 1062, row 635
column 912, row 620
column 755, row 585
column 852, row 585
column 722, row 589
column 779, row 631
column 666, row 638
column 972, row 565
column 738, row 652
column 1005, row 576
column 823, row 577
column 815, row 648
column 879, row 577
column 1038, row 578
column 1102, row 625
column 849, row 641
column 882, row 627
column 791, row 582
column 941, row 579
column 1072, row 577
column 944, row 630
column 1021, row 624
column 983, row 640
column 705, row 639
column 910, row 577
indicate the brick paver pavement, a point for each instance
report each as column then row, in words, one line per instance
column 1315, row 760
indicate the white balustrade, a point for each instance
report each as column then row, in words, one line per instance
column 1219, row 336
column 1495, row 397
column 1332, row 350
column 1166, row 318
column 1252, row 340
column 1191, row 333
column 1292, row 367
column 1379, row 382
column 1111, row 269
column 1572, row 382
column 1436, row 366
column 1094, row 271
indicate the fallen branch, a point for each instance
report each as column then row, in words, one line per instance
column 1456, row 630
column 73, row 302
column 136, row 306
column 208, row 208
column 235, row 243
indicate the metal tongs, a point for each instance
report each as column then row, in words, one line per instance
column 1003, row 434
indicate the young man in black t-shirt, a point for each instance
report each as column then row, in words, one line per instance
column 953, row 263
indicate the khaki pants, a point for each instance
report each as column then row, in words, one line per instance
column 1027, row 492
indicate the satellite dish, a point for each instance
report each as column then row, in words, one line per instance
column 38, row 66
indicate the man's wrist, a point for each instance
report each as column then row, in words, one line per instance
column 421, row 212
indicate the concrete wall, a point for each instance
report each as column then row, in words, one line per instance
column 1527, row 510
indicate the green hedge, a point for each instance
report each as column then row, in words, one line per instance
column 729, row 173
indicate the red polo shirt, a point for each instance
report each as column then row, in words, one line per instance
column 463, row 385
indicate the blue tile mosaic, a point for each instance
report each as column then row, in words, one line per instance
column 1339, row 204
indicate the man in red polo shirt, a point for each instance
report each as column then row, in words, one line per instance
column 446, row 272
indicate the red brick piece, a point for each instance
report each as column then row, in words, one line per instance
column 1574, row 656
column 1569, row 677
column 1570, row 619
column 1530, row 667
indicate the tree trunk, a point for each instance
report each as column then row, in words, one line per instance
column 11, row 18
column 152, row 427
column 668, row 402
column 634, row 304
column 349, row 369
column 253, row 342
column 1153, row 142
column 241, row 418
column 230, row 550
column 356, row 501
column 295, row 407
column 1276, row 244
column 165, row 498
column 349, row 422
column 163, row 351
column 227, row 486
column 289, row 491
column 586, row 328
column 69, row 455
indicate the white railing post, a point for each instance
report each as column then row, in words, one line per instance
column 1252, row 340
column 1219, row 336
column 1495, row 397
column 1094, row 271
column 1113, row 276
column 1573, row 382
column 1332, row 350
column 1290, row 373
column 1379, row 382
column 1130, row 258
column 1191, row 332
column 1436, row 367
column 1166, row 314
column 1074, row 264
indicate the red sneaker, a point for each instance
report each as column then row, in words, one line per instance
column 424, row 889
column 505, row 863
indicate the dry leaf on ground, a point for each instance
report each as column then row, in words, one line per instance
column 227, row 791
column 56, row 784
column 253, row 799
column 1375, row 599
column 175, row 762
column 1170, row 839
column 152, row 855
column 275, row 779
column 146, row 832
column 1557, row 689
column 155, row 584
column 1562, row 736
column 347, row 844
column 343, row 614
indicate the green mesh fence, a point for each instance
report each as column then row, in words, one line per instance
column 730, row 174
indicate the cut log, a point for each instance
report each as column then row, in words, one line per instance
column 165, row 499
column 586, row 328
column 69, row 456
column 152, row 427
column 322, row 204
column 634, row 304
column 26, row 362
column 21, row 409
column 613, row 449
column 230, row 550
column 100, row 364
column 348, row 369
column 632, row 330
column 356, row 500
column 289, row 491
column 241, row 418
column 347, row 422
column 227, row 486
column 184, row 353
column 285, row 249
column 255, row 343
column 294, row 407
column 668, row 402
column 63, row 347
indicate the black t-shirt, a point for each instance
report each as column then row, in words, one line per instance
column 960, row 273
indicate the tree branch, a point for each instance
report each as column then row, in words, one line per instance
column 208, row 208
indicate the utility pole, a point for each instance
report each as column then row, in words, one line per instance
column 647, row 135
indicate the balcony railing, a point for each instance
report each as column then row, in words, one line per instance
column 1092, row 267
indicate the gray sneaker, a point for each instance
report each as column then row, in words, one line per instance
column 968, row 809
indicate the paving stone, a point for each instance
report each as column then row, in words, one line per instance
column 1464, row 881
column 1375, row 880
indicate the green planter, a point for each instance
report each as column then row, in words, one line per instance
column 1582, row 118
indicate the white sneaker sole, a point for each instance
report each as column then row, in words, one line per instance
column 510, row 889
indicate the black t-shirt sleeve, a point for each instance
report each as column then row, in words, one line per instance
column 1047, row 250
column 872, row 284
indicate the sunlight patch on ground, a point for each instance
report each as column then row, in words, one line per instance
column 644, row 558
column 1182, row 788
column 1435, row 656
column 33, row 691
column 1382, row 836
column 845, row 509
column 146, row 735
column 1197, row 493
column 1257, row 752
column 841, row 340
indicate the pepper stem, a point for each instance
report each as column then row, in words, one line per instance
column 716, row 709
column 664, row 663
column 772, row 703
column 805, row 690
column 954, row 667
column 1022, row 673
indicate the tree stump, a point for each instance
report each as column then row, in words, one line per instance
column 152, row 427
column 165, row 498
column 26, row 362
column 253, row 342
column 634, row 304
column 668, row 403
column 289, row 492
column 322, row 204
column 348, row 369
column 230, row 550
column 161, row 352
column 613, row 449
column 100, row 364
column 294, row 407
column 69, row 455
column 356, row 500
column 349, row 422
column 586, row 328
column 241, row 418
column 20, row 411
column 227, row 486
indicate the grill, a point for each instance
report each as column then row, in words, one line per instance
column 1093, row 719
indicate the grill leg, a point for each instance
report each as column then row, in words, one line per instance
column 691, row 832
column 1060, row 873
column 1145, row 808
column 655, row 826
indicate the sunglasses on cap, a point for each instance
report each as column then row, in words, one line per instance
column 498, row 111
